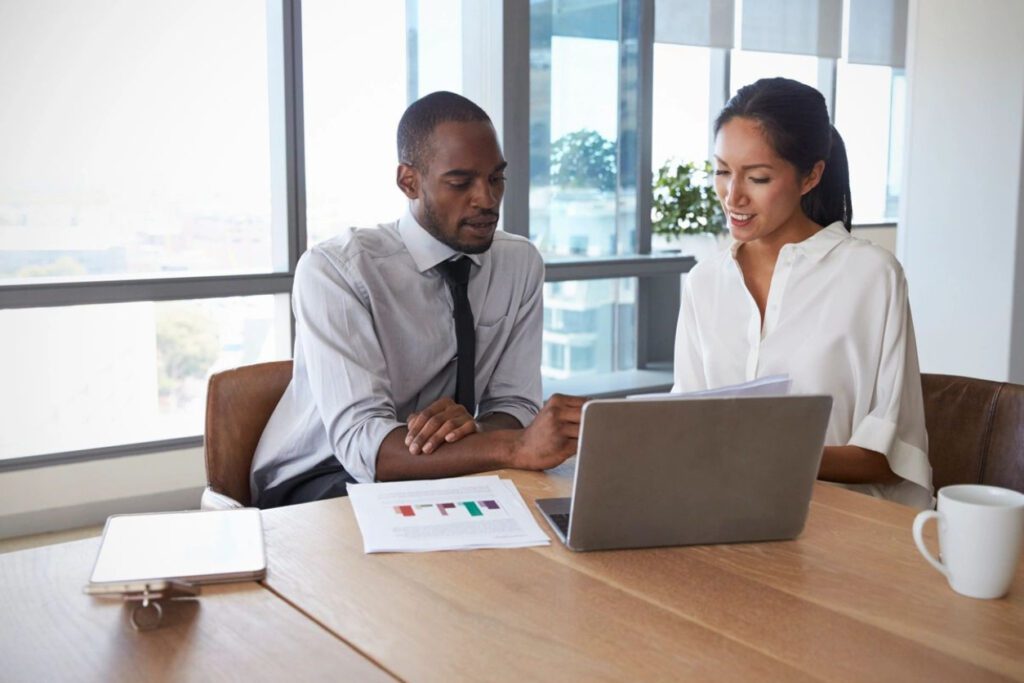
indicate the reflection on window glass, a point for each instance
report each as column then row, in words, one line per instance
column 747, row 66
column 589, row 327
column 864, row 107
column 578, row 206
column 135, row 139
column 91, row 376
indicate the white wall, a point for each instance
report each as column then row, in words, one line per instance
column 83, row 494
column 962, row 225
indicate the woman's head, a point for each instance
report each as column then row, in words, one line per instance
column 777, row 157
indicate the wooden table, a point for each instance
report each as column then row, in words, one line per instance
column 51, row 631
column 850, row 599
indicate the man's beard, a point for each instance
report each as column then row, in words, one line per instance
column 432, row 225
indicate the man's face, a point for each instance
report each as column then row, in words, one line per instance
column 455, row 196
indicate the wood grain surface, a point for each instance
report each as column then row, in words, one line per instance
column 51, row 631
column 850, row 599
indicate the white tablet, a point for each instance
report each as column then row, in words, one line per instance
column 194, row 547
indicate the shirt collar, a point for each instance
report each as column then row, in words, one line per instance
column 425, row 249
column 814, row 247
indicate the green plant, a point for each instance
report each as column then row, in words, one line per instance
column 684, row 201
column 581, row 159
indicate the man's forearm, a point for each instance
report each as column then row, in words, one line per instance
column 498, row 420
column 482, row 452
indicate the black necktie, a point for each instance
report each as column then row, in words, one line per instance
column 456, row 274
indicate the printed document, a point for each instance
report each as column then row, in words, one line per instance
column 775, row 385
column 443, row 514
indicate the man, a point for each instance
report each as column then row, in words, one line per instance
column 400, row 328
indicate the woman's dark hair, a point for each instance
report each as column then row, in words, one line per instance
column 794, row 118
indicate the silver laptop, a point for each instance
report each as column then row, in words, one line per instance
column 691, row 471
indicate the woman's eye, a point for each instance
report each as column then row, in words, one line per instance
column 760, row 181
column 719, row 171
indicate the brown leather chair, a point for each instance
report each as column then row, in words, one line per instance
column 975, row 431
column 239, row 403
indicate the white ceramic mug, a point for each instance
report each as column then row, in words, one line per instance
column 981, row 530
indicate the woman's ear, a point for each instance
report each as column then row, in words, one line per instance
column 812, row 179
column 408, row 180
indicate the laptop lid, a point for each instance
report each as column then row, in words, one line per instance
column 695, row 471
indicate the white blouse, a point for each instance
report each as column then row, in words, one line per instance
column 837, row 321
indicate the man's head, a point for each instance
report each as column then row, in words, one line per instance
column 451, row 168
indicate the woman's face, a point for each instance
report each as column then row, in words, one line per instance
column 760, row 192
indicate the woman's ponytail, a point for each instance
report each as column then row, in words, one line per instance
column 830, row 201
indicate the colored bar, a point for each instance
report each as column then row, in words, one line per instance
column 405, row 510
column 490, row 504
column 442, row 508
column 474, row 511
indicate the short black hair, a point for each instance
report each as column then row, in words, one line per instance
column 424, row 115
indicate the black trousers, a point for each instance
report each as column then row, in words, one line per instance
column 327, row 480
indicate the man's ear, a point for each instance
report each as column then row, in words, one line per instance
column 812, row 179
column 408, row 181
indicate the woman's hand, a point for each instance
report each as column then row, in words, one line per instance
column 443, row 421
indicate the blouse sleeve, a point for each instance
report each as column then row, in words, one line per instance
column 688, row 363
column 894, row 425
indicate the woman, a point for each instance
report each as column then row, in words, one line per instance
column 796, row 294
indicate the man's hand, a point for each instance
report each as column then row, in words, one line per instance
column 552, row 436
column 443, row 421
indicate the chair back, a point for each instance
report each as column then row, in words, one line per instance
column 975, row 431
column 239, row 403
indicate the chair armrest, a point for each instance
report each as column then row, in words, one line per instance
column 212, row 500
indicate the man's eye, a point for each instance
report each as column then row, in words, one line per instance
column 498, row 179
column 459, row 186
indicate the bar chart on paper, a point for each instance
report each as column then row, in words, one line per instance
column 443, row 514
column 465, row 508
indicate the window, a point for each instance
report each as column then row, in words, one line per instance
column 91, row 376
column 350, row 114
column 682, row 104
column 136, row 141
column 141, row 244
column 748, row 67
column 167, row 164
column 869, row 106
column 592, row 323
column 574, row 131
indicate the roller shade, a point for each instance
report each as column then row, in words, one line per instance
column 703, row 23
column 878, row 32
column 802, row 27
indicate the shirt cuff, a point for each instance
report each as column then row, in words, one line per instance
column 906, row 461
column 361, row 448
column 523, row 413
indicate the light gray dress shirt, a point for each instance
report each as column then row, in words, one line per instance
column 375, row 342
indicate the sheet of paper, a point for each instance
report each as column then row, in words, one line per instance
column 443, row 514
column 775, row 385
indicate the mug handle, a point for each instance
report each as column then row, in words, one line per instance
column 919, row 522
